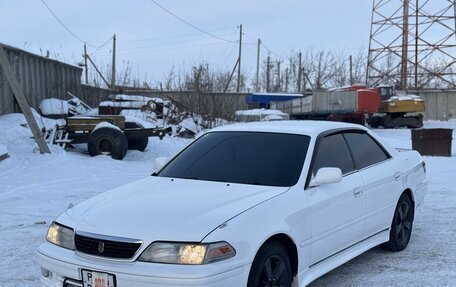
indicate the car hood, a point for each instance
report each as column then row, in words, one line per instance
column 166, row 209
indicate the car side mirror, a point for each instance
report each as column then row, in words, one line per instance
column 326, row 175
column 159, row 163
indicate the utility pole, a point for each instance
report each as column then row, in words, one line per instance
column 85, row 65
column 351, row 70
column 22, row 101
column 268, row 74
column 239, row 63
column 279, row 79
column 299, row 72
column 287, row 77
column 113, row 75
column 257, row 83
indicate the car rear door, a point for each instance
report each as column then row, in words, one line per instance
column 336, row 210
column 381, row 177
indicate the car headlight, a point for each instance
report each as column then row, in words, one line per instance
column 187, row 253
column 61, row 235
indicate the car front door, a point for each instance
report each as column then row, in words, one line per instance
column 336, row 210
column 381, row 177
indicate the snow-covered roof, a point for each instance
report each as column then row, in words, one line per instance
column 258, row 112
column 136, row 98
column 311, row 128
column 131, row 105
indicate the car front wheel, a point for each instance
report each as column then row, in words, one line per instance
column 271, row 267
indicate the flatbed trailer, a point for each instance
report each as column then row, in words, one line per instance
column 108, row 135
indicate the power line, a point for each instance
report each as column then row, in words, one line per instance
column 272, row 52
column 66, row 27
column 104, row 44
column 175, row 36
column 166, row 44
column 127, row 52
column 188, row 23
column 265, row 47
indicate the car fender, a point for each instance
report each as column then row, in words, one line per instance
column 248, row 231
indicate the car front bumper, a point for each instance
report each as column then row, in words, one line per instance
column 64, row 265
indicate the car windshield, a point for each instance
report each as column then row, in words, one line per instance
column 258, row 158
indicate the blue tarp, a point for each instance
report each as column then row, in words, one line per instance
column 263, row 99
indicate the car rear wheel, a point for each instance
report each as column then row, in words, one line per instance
column 271, row 267
column 401, row 228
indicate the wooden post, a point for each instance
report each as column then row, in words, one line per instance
column 86, row 67
column 22, row 101
column 351, row 70
column 238, row 87
column 113, row 73
column 299, row 72
column 257, row 81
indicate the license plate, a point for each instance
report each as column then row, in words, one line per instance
column 97, row 279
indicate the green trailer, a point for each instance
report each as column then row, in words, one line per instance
column 108, row 135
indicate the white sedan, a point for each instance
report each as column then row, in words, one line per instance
column 259, row 204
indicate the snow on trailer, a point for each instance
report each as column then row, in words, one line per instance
column 107, row 135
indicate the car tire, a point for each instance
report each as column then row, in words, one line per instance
column 136, row 144
column 271, row 267
column 108, row 141
column 402, row 225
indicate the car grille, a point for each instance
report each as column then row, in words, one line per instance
column 103, row 247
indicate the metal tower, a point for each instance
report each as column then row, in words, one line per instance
column 413, row 44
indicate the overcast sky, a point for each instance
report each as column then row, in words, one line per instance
column 153, row 41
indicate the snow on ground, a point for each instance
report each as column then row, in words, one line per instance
column 36, row 188
column 3, row 150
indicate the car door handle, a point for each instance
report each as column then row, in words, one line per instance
column 397, row 175
column 357, row 192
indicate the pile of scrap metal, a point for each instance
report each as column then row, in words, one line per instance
column 167, row 109
column 189, row 128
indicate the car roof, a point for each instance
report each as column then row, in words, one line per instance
column 310, row 128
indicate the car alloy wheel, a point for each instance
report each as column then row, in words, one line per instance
column 271, row 267
column 404, row 223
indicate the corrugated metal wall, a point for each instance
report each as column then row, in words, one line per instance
column 440, row 105
column 40, row 78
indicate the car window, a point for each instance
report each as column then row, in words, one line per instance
column 365, row 150
column 271, row 159
column 332, row 151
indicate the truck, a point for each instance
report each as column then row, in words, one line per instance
column 377, row 107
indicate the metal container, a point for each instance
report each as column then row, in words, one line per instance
column 332, row 102
column 435, row 142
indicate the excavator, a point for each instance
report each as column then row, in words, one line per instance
column 397, row 110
